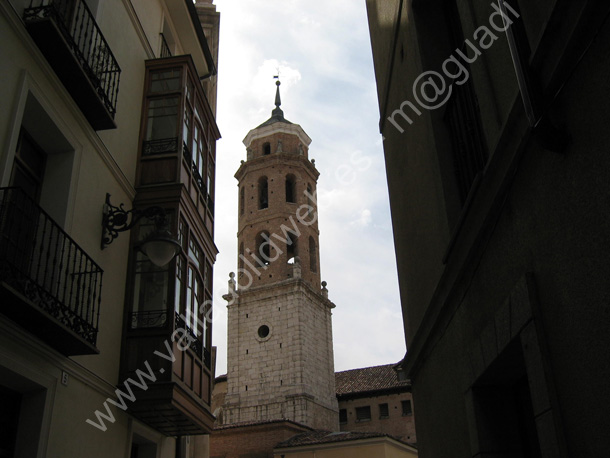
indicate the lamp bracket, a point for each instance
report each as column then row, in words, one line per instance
column 117, row 219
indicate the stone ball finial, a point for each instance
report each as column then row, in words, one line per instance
column 324, row 284
column 313, row 161
column 231, row 275
column 242, row 161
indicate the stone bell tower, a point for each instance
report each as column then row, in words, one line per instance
column 280, row 353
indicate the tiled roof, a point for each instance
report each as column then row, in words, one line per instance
column 368, row 379
column 364, row 380
column 326, row 437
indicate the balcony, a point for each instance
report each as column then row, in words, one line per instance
column 48, row 284
column 70, row 39
column 178, row 402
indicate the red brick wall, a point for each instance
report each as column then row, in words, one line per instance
column 294, row 216
column 396, row 425
column 251, row 441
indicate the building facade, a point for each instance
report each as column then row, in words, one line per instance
column 498, row 180
column 374, row 400
column 280, row 352
column 325, row 444
column 106, row 126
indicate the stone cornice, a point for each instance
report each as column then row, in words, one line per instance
column 277, row 127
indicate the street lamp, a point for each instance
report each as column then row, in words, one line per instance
column 160, row 245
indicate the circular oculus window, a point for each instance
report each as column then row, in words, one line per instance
column 263, row 331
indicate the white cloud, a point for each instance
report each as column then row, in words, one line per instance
column 364, row 219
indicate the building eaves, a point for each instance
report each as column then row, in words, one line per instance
column 370, row 381
column 328, row 437
column 259, row 423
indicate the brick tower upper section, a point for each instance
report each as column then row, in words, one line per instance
column 278, row 229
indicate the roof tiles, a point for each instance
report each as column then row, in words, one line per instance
column 368, row 379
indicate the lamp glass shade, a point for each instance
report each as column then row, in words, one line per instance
column 160, row 250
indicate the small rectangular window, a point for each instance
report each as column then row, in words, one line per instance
column 342, row 416
column 363, row 413
column 407, row 409
column 384, row 411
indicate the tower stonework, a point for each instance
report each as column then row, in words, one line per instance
column 280, row 353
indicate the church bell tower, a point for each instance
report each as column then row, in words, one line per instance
column 280, row 353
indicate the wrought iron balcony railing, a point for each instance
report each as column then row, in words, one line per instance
column 60, row 282
column 148, row 319
column 162, row 146
column 469, row 152
column 80, row 31
column 195, row 343
column 165, row 52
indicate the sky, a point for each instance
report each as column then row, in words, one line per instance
column 323, row 53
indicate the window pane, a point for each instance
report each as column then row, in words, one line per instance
column 182, row 233
column 150, row 294
column 162, row 118
column 195, row 319
column 186, row 127
column 179, row 284
column 31, row 156
column 189, row 295
column 210, row 178
column 189, row 90
column 165, row 80
column 200, row 154
column 194, row 252
column 195, row 142
column 25, row 181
